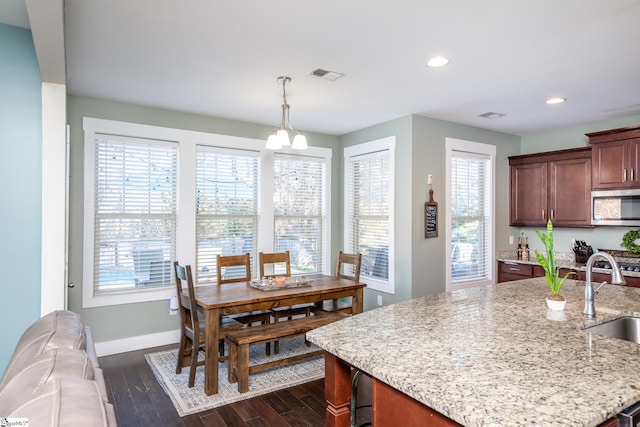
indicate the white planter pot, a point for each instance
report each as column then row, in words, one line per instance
column 556, row 305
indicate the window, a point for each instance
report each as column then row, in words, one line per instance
column 368, row 222
column 226, row 208
column 299, row 211
column 470, row 219
column 135, row 213
column 153, row 195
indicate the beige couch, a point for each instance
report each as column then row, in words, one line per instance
column 53, row 378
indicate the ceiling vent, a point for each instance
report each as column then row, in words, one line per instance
column 326, row 74
column 491, row 115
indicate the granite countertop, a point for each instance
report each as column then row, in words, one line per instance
column 496, row 356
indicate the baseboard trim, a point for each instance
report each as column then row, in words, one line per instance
column 124, row 345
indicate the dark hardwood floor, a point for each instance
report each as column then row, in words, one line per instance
column 140, row 401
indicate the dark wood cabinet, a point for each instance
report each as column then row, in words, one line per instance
column 616, row 157
column 508, row 271
column 513, row 270
column 632, row 281
column 538, row 271
column 528, row 193
column 553, row 185
column 573, row 274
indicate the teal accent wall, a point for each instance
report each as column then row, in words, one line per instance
column 112, row 323
column 602, row 237
column 21, row 175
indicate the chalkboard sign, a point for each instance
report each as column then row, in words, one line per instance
column 430, row 217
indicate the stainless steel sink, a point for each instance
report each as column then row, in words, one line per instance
column 624, row 328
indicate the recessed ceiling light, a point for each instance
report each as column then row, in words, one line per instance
column 556, row 100
column 437, row 61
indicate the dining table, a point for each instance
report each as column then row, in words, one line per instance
column 243, row 297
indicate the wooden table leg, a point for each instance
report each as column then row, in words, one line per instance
column 337, row 391
column 212, row 319
column 356, row 302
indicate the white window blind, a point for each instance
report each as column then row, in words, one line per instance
column 368, row 221
column 226, row 208
column 135, row 213
column 471, row 220
column 299, row 211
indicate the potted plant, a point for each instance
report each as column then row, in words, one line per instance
column 555, row 301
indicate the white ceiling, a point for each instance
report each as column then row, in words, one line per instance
column 222, row 58
column 14, row 12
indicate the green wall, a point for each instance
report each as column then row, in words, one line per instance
column 20, row 166
column 603, row 237
column 420, row 151
column 429, row 135
column 401, row 129
column 132, row 320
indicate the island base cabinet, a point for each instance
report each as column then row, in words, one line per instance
column 391, row 407
column 337, row 391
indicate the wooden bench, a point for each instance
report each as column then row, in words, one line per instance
column 240, row 340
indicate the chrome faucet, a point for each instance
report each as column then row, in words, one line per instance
column 589, row 293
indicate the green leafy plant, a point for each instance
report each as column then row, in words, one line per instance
column 554, row 280
column 629, row 241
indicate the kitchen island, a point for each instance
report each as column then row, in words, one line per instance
column 489, row 356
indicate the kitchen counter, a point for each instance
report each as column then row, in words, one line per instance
column 565, row 260
column 496, row 356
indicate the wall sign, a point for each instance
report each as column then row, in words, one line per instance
column 430, row 217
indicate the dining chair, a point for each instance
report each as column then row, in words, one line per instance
column 233, row 268
column 237, row 268
column 347, row 267
column 192, row 326
column 275, row 261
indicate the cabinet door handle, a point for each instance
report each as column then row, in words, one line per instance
column 624, row 175
column 514, row 269
column 552, row 217
column 542, row 213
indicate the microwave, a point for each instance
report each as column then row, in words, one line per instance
column 615, row 207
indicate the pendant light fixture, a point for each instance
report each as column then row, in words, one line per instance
column 280, row 137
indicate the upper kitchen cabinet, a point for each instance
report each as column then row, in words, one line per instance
column 615, row 155
column 553, row 185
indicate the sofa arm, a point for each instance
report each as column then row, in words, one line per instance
column 66, row 402
column 58, row 329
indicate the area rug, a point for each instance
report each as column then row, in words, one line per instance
column 191, row 400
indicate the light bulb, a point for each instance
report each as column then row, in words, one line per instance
column 283, row 138
column 299, row 142
column 273, row 143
